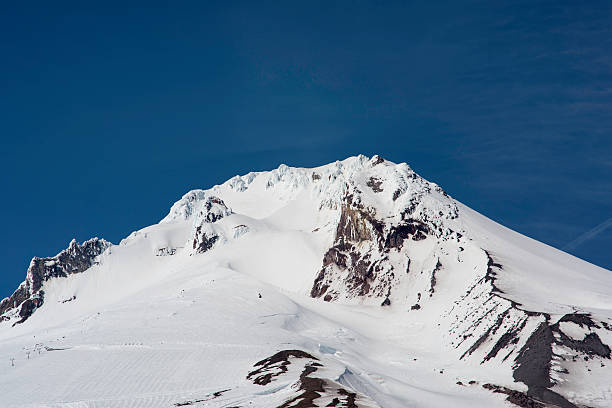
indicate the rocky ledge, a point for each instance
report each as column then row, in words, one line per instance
column 29, row 296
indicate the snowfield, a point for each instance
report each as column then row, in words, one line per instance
column 355, row 284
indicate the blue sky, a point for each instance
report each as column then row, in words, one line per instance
column 109, row 113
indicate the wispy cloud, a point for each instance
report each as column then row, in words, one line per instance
column 590, row 234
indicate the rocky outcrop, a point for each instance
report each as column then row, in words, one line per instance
column 515, row 397
column 358, row 254
column 29, row 296
column 358, row 263
column 205, row 235
column 534, row 363
column 204, row 238
column 500, row 329
column 383, row 209
column 276, row 365
column 309, row 387
column 22, row 293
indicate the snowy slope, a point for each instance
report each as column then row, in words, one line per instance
column 355, row 284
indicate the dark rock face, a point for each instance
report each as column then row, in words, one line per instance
column 515, row 397
column 591, row 345
column 30, row 305
column 511, row 336
column 203, row 240
column 502, row 324
column 310, row 388
column 375, row 184
column 409, row 229
column 17, row 298
column 356, row 225
column 376, row 159
column 581, row 319
column 275, row 366
column 510, row 320
column 212, row 210
column 77, row 258
column 533, row 364
column 432, row 283
column 534, row 359
column 361, row 247
column 492, row 329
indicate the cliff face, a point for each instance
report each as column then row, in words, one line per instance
column 205, row 236
column 29, row 296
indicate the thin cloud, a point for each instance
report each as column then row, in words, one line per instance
column 590, row 234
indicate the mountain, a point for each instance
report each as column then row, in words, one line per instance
column 354, row 284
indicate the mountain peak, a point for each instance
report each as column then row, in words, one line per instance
column 316, row 270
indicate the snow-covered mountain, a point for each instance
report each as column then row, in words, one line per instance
column 355, row 284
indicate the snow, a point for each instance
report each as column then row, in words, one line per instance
column 200, row 333
column 557, row 281
column 151, row 331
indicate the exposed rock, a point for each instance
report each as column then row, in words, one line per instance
column 495, row 322
column 375, row 184
column 503, row 324
column 310, row 388
column 492, row 329
column 511, row 336
column 351, row 398
column 590, row 345
column 360, row 248
column 205, row 236
column 581, row 319
column 20, row 295
column 165, row 251
column 70, row 299
column 408, row 229
column 357, row 225
column 213, row 209
column 376, row 159
column 275, row 365
column 515, row 397
column 432, row 285
column 396, row 194
column 29, row 306
column 29, row 296
column 534, row 359
column 76, row 258
column 533, row 364
column 204, row 239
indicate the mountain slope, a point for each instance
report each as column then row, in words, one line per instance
column 357, row 283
